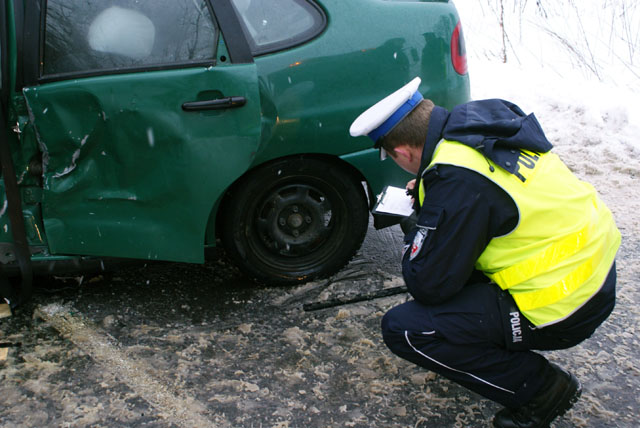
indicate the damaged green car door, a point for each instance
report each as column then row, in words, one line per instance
column 136, row 156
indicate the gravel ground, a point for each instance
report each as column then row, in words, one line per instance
column 175, row 345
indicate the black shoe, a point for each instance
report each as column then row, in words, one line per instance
column 556, row 396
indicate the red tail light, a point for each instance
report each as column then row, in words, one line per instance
column 458, row 51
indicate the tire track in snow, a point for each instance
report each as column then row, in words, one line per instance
column 175, row 406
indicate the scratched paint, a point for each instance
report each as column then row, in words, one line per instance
column 69, row 168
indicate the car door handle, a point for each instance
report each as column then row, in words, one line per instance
column 217, row 104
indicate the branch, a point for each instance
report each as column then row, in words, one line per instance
column 360, row 298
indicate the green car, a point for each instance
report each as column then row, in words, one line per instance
column 153, row 129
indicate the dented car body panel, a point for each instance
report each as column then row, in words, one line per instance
column 131, row 173
column 129, row 150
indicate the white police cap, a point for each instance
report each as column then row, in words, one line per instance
column 378, row 120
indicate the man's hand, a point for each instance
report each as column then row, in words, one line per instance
column 410, row 186
column 408, row 223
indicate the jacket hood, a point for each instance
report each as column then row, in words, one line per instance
column 498, row 128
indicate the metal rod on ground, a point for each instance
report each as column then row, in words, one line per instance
column 360, row 298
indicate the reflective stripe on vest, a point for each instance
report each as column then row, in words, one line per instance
column 540, row 263
column 560, row 253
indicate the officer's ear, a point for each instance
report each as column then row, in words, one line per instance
column 404, row 152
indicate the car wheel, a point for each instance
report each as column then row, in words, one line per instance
column 295, row 220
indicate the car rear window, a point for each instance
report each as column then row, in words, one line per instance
column 272, row 25
column 94, row 35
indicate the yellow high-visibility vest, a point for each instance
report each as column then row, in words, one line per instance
column 565, row 243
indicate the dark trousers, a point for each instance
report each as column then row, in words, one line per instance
column 480, row 340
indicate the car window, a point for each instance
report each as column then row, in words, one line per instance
column 275, row 24
column 93, row 35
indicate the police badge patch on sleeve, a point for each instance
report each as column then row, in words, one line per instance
column 418, row 240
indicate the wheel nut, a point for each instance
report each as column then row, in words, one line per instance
column 307, row 219
column 296, row 233
column 295, row 208
column 282, row 222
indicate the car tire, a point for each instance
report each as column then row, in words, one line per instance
column 294, row 220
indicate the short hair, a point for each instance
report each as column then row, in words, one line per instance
column 412, row 130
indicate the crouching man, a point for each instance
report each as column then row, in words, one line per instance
column 510, row 252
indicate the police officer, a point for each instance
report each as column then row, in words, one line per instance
column 510, row 252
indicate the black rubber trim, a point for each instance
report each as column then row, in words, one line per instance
column 30, row 38
column 18, row 19
column 111, row 71
column 3, row 47
column 234, row 38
